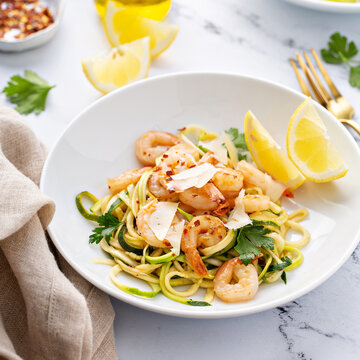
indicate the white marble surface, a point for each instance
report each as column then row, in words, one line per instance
column 255, row 37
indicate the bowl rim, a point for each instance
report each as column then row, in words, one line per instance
column 40, row 33
column 224, row 313
column 344, row 7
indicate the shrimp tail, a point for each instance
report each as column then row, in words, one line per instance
column 196, row 262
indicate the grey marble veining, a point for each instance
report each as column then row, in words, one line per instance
column 255, row 37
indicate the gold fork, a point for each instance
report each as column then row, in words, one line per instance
column 336, row 103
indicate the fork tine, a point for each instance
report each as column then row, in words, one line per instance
column 312, row 68
column 315, row 87
column 326, row 76
column 301, row 81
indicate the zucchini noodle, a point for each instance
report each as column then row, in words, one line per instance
column 169, row 271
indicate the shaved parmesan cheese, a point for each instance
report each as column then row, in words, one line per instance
column 174, row 236
column 189, row 142
column 197, row 176
column 231, row 149
column 216, row 146
column 162, row 217
column 273, row 189
column 238, row 217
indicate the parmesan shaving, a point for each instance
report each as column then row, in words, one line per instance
column 162, row 217
column 238, row 217
column 197, row 176
column 216, row 146
column 273, row 189
column 174, row 236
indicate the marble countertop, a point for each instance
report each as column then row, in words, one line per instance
column 255, row 37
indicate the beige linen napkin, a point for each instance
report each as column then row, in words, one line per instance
column 47, row 310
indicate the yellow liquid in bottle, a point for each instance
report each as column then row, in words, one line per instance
column 151, row 9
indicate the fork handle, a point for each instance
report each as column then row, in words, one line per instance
column 352, row 123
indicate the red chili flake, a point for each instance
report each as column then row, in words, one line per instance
column 144, row 153
column 25, row 17
column 194, row 195
column 169, row 173
column 211, row 231
column 191, row 166
column 167, row 243
column 173, row 254
column 288, row 193
column 168, row 179
column 137, row 201
column 183, row 129
column 171, row 190
column 185, row 231
column 165, row 156
column 197, row 223
column 220, row 237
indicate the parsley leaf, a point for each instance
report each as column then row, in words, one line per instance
column 250, row 239
column 108, row 224
column 339, row 48
column 354, row 78
column 340, row 51
column 239, row 142
column 283, row 277
column 29, row 93
column 277, row 267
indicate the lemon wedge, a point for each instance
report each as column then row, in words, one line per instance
column 121, row 66
column 268, row 155
column 122, row 25
column 309, row 146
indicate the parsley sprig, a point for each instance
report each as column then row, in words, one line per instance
column 341, row 51
column 238, row 140
column 108, row 224
column 251, row 238
column 28, row 92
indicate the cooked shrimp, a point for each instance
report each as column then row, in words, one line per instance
column 153, row 144
column 142, row 222
column 228, row 181
column 128, row 177
column 245, row 277
column 202, row 231
column 255, row 177
column 254, row 203
column 159, row 191
column 206, row 198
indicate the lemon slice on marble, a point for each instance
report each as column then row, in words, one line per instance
column 121, row 66
column 268, row 155
column 123, row 25
column 309, row 146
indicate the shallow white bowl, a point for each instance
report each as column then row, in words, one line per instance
column 331, row 6
column 99, row 143
column 40, row 37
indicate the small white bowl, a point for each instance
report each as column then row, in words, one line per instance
column 39, row 37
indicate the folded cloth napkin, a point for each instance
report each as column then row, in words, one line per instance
column 47, row 310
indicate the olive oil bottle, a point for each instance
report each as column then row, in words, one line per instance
column 151, row 9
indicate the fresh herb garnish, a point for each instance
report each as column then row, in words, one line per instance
column 108, row 224
column 341, row 51
column 238, row 140
column 28, row 93
column 250, row 239
column 277, row 267
column 283, row 277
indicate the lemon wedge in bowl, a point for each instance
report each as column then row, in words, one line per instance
column 121, row 66
column 309, row 146
column 122, row 25
column 268, row 155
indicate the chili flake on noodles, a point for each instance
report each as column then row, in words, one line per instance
column 19, row 19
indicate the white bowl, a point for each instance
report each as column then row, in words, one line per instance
column 40, row 37
column 331, row 6
column 99, row 143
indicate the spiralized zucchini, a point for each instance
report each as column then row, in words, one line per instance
column 161, row 269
